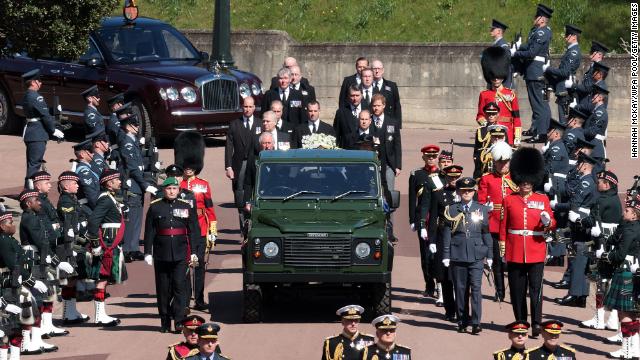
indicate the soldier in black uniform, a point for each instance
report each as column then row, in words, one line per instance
column 386, row 346
column 518, row 335
column 208, row 343
column 551, row 348
column 483, row 137
column 40, row 125
column 88, row 178
column 93, row 120
column 350, row 342
column 169, row 230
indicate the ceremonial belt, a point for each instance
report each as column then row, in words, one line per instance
column 611, row 226
column 32, row 120
column 601, row 137
column 560, row 175
column 540, row 58
column 573, row 162
column 584, row 210
column 507, row 119
column 201, row 211
column 526, row 232
column 83, row 201
column 173, row 232
column 496, row 207
column 111, row 225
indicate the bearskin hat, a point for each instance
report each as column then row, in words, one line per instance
column 527, row 165
column 188, row 151
column 495, row 63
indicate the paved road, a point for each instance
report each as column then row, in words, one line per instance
column 294, row 329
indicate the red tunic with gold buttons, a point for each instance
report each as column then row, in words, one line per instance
column 509, row 114
column 494, row 188
column 521, row 227
column 204, row 204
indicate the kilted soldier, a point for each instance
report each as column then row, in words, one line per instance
column 527, row 216
column 73, row 219
column 496, row 64
column 386, row 346
column 608, row 212
column 492, row 189
column 208, row 344
column 518, row 335
column 89, row 180
column 189, row 154
column 170, row 228
column 105, row 233
column 551, row 349
column 625, row 245
column 350, row 343
column 483, row 160
column 93, row 120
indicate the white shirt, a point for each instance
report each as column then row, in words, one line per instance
column 296, row 86
column 249, row 120
column 274, row 134
column 286, row 94
column 358, row 80
column 314, row 123
column 279, row 124
column 378, row 84
column 355, row 110
column 365, row 132
column 364, row 92
column 378, row 121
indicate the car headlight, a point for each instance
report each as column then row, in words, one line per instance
column 255, row 89
column 363, row 250
column 271, row 249
column 172, row 94
column 163, row 94
column 188, row 94
column 244, row 90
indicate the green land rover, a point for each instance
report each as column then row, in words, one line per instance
column 317, row 223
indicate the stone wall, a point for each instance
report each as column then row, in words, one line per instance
column 438, row 83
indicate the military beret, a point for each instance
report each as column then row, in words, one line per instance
column 609, row 176
column 430, row 149
column 495, row 24
column 84, row 145
column 466, row 183
column 68, row 175
column 599, row 89
column 491, row 108
column 40, row 175
column 543, row 10
column 599, row 66
column 556, row 125
column 598, row 47
column 107, row 175
column 446, row 155
column 571, row 30
column 385, row 322
column 31, row 75
column 192, row 321
column 118, row 98
column 28, row 193
column 350, row 312
column 92, row 91
column 170, row 181
column 208, row 331
column 518, row 326
column 552, row 326
column 453, row 170
column 174, row 170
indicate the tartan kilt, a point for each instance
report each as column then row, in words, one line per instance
column 620, row 294
column 118, row 271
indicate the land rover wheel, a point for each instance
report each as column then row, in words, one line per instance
column 146, row 128
column 382, row 299
column 8, row 121
column 251, row 303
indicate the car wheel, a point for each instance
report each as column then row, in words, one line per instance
column 146, row 128
column 8, row 121
column 252, row 303
column 382, row 299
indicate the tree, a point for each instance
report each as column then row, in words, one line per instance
column 55, row 28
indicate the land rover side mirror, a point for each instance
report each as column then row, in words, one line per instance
column 94, row 62
column 204, row 56
column 395, row 199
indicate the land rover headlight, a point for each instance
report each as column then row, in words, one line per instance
column 363, row 250
column 244, row 90
column 255, row 89
column 163, row 94
column 172, row 94
column 188, row 94
column 271, row 249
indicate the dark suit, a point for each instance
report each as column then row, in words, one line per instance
column 240, row 142
column 286, row 127
column 280, row 143
column 293, row 107
column 366, row 97
column 390, row 148
column 343, row 99
column 303, row 129
column 275, row 84
column 389, row 90
column 308, row 91
column 344, row 123
column 351, row 142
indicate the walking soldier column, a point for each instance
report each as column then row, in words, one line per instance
column 349, row 344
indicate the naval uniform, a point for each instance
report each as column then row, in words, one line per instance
column 395, row 352
column 40, row 126
column 343, row 346
column 511, row 353
column 542, row 353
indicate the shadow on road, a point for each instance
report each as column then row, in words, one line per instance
column 147, row 328
column 134, row 304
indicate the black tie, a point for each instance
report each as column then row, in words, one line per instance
column 315, row 128
column 466, row 209
column 366, row 96
column 246, row 124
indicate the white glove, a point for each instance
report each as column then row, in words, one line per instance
column 40, row 286
column 433, row 248
column 599, row 252
column 157, row 165
column 1, row 334
column 413, row 227
column 128, row 182
column 13, row 309
column 83, row 223
column 58, row 134
column 595, row 231
column 519, row 42
column 568, row 83
column 142, row 140
column 544, row 147
column 66, row 267
column 545, row 218
column 553, row 204
column 546, row 65
column 96, row 251
column 489, row 262
column 574, row 103
column 573, row 216
column 148, row 259
column 70, row 233
column 423, row 234
column 211, row 237
column 151, row 189
column 194, row 258
column 445, row 262
column 516, row 141
column 516, row 74
column 74, row 253
column 48, row 259
column 547, row 186
column 489, row 205
column 513, row 50
column 634, row 267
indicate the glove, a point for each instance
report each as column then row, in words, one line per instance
column 142, row 140
column 502, row 248
column 634, row 267
column 489, row 205
column 568, row 83
column 544, row 147
column 595, row 231
column 1, row 334
column 97, row 251
column 70, row 233
column 194, row 258
column 489, row 262
column 547, row 186
column 516, row 141
column 573, row 216
column 599, row 252
column 157, row 165
column 211, row 237
column 40, row 286
column 545, row 218
column 83, row 223
column 423, row 234
column 66, row 267
column 413, row 227
column 13, row 309
column 553, row 203
column 433, row 248
column 513, row 50
column 151, row 189
column 48, row 259
column 446, row 262
column 74, row 253
column 516, row 74
column 546, row 65
column 58, row 134
column 519, row 42
column 574, row 103
column 148, row 259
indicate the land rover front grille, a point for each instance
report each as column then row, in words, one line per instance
column 220, row 95
column 324, row 252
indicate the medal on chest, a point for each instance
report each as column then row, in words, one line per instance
column 181, row 213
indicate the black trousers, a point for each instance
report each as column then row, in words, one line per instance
column 171, row 289
column 197, row 275
column 523, row 277
column 35, row 156
column 424, row 258
column 133, row 226
column 539, row 106
column 498, row 267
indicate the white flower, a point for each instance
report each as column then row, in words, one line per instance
column 319, row 141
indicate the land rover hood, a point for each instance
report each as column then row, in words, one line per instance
column 315, row 220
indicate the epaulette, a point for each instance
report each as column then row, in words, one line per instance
column 567, row 347
column 67, row 209
column 104, row 193
column 332, row 337
column 413, row 172
column 371, row 336
column 155, row 201
column 185, row 201
column 499, row 351
column 402, row 346
column 172, row 345
column 532, row 349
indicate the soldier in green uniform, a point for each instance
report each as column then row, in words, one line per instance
column 350, row 343
column 385, row 346
column 207, row 343
column 551, row 348
column 518, row 335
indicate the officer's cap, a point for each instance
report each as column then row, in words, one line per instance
column 31, row 75
column 491, row 108
column 577, row 113
column 40, row 175
column 131, row 119
column 170, row 181
column 174, row 170
column 350, row 312
column 599, row 47
column 208, row 331
column 466, row 183
column 118, row 98
column 5, row 215
column 584, row 143
column 124, row 109
column 84, row 145
column 446, row 155
column 495, row 24
column 598, row 89
column 571, row 30
column 543, row 10
column 386, row 322
column 192, row 321
column 582, row 158
column 430, row 150
column 108, row 175
column 599, row 66
column 92, row 91
column 518, row 326
column 68, row 175
column 27, row 194
column 453, row 171
column 609, row 176
column 552, row 326
column 497, row 130
column 556, row 125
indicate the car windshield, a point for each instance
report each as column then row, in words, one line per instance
column 133, row 44
column 335, row 181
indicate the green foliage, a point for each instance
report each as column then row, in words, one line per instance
column 53, row 28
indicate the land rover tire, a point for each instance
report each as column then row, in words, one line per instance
column 8, row 121
column 381, row 299
column 251, row 303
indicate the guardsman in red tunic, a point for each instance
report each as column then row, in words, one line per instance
column 527, row 217
column 492, row 189
column 495, row 68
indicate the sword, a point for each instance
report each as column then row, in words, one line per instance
column 488, row 273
